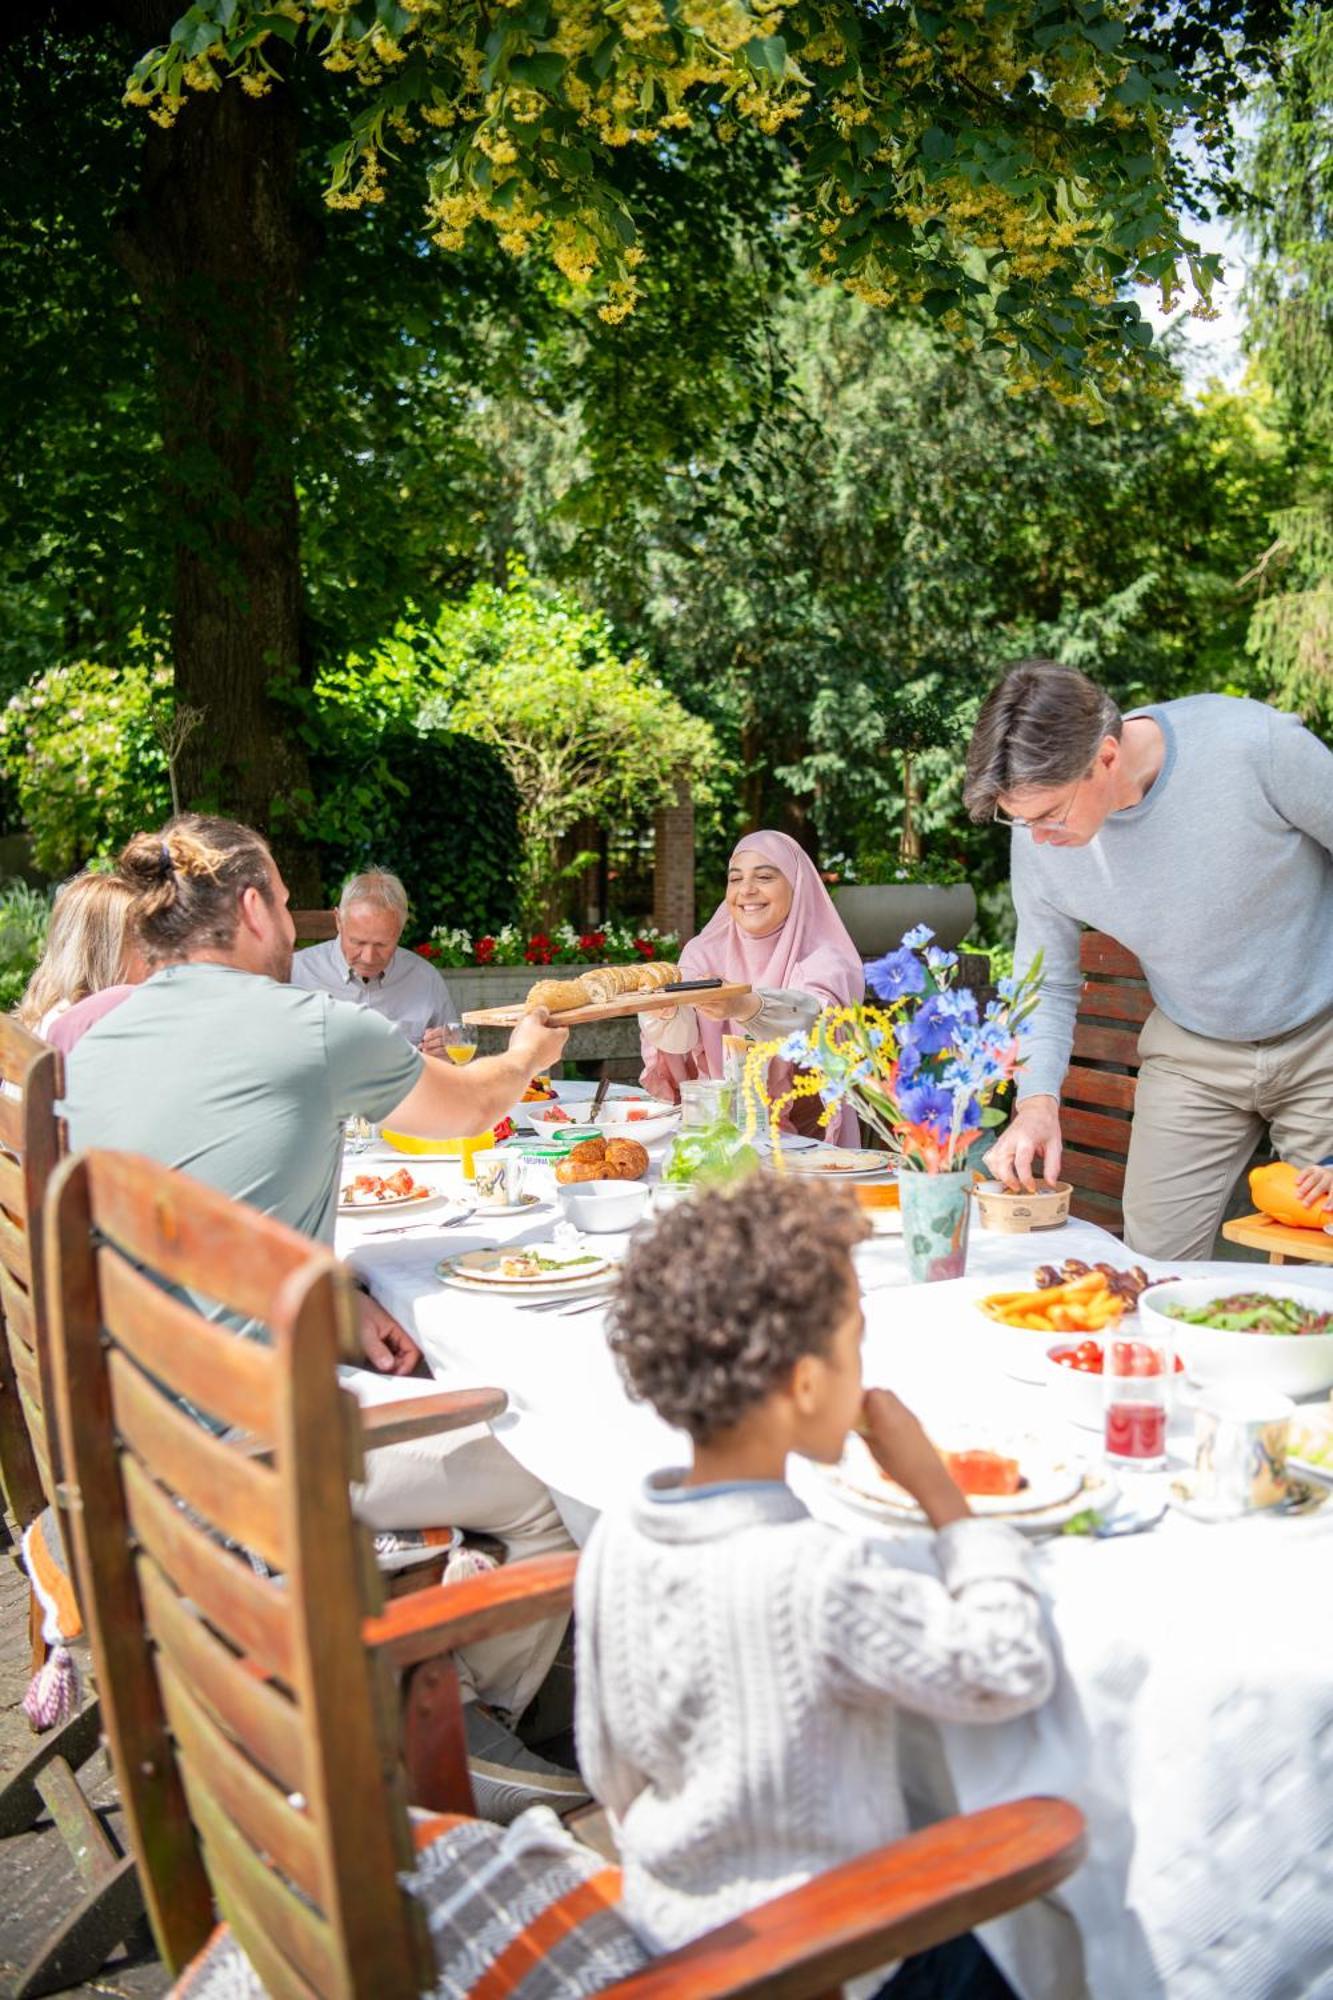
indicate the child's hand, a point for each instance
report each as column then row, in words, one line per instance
column 904, row 1453
column 1315, row 1186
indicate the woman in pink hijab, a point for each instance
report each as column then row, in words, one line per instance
column 777, row 931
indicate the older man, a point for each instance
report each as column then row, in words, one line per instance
column 1200, row 834
column 365, row 963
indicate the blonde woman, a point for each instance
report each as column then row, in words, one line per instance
column 88, row 950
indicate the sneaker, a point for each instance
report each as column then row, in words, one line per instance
column 507, row 1778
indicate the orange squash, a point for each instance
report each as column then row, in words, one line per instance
column 1273, row 1188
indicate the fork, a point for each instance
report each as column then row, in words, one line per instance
column 562, row 1307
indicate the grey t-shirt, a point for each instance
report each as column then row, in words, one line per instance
column 239, row 1081
column 1220, row 879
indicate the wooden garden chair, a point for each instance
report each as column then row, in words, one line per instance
column 109, row 1903
column 1097, row 1099
column 252, row 1716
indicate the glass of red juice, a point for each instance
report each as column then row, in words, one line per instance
column 1136, row 1378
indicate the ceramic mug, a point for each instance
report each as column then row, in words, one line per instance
column 490, row 1169
column 1240, row 1449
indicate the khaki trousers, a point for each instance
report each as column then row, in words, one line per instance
column 1200, row 1110
column 466, row 1479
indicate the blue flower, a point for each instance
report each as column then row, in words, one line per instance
column 941, row 961
column 931, row 1029
column 896, row 975
column 930, row 1105
column 796, row 1049
column 920, row 934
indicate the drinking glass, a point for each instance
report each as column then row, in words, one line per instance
column 460, row 1041
column 1137, row 1375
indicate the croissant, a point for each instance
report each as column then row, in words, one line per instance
column 626, row 1160
column 579, row 1170
column 588, row 1151
column 558, row 994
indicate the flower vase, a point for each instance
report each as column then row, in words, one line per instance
column 936, row 1211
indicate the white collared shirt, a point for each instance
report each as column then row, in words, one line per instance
column 409, row 992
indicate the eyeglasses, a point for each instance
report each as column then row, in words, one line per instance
column 1055, row 822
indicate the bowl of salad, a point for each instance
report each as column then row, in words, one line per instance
column 1252, row 1328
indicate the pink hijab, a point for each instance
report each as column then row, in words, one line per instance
column 810, row 951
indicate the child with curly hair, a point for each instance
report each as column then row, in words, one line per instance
column 740, row 1664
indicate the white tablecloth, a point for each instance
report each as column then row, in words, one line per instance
column 1193, row 1720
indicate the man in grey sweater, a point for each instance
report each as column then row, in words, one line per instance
column 1199, row 833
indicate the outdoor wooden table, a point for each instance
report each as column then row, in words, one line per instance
column 1279, row 1242
column 1193, row 1717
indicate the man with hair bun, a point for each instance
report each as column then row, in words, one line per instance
column 366, row 964
column 218, row 1067
column 1199, row 833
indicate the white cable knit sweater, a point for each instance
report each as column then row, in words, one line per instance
column 739, row 1670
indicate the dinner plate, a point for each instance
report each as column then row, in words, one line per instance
column 484, row 1267
column 840, row 1162
column 421, row 1196
column 525, row 1288
column 1053, row 1477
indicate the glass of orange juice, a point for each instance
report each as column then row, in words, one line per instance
column 460, row 1041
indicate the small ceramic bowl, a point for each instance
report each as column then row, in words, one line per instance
column 602, row 1206
column 1076, row 1393
column 1014, row 1211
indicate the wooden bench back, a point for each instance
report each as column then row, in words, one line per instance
column 253, row 1734
column 1097, row 1102
column 31, row 1142
column 315, row 926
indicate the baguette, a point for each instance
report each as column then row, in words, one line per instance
column 559, row 995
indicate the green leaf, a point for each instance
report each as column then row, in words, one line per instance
column 538, row 72
column 767, row 52
column 936, row 144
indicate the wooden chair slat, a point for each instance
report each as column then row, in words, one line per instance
column 275, row 1929
column 1094, row 1128
column 1099, row 1086
column 249, row 1799
column 1103, row 1001
column 11, row 1116
column 1103, row 1209
column 28, row 1376
column 197, row 1239
column 19, row 1474
column 16, row 1304
column 315, row 926
column 34, row 1416
column 220, row 1583
column 1086, row 1170
column 1099, row 953
column 238, row 1697
column 277, row 1975
column 13, row 1188
column 210, row 1366
column 233, row 1493
column 1109, row 1045
column 15, row 1251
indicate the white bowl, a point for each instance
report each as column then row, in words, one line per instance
column 1078, row 1396
column 613, row 1121
column 600, row 1206
column 1293, row 1364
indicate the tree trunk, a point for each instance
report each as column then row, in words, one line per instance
column 215, row 251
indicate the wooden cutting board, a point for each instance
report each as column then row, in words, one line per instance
column 606, row 1010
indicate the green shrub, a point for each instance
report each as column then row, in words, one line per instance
column 24, row 916
column 440, row 810
column 79, row 747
